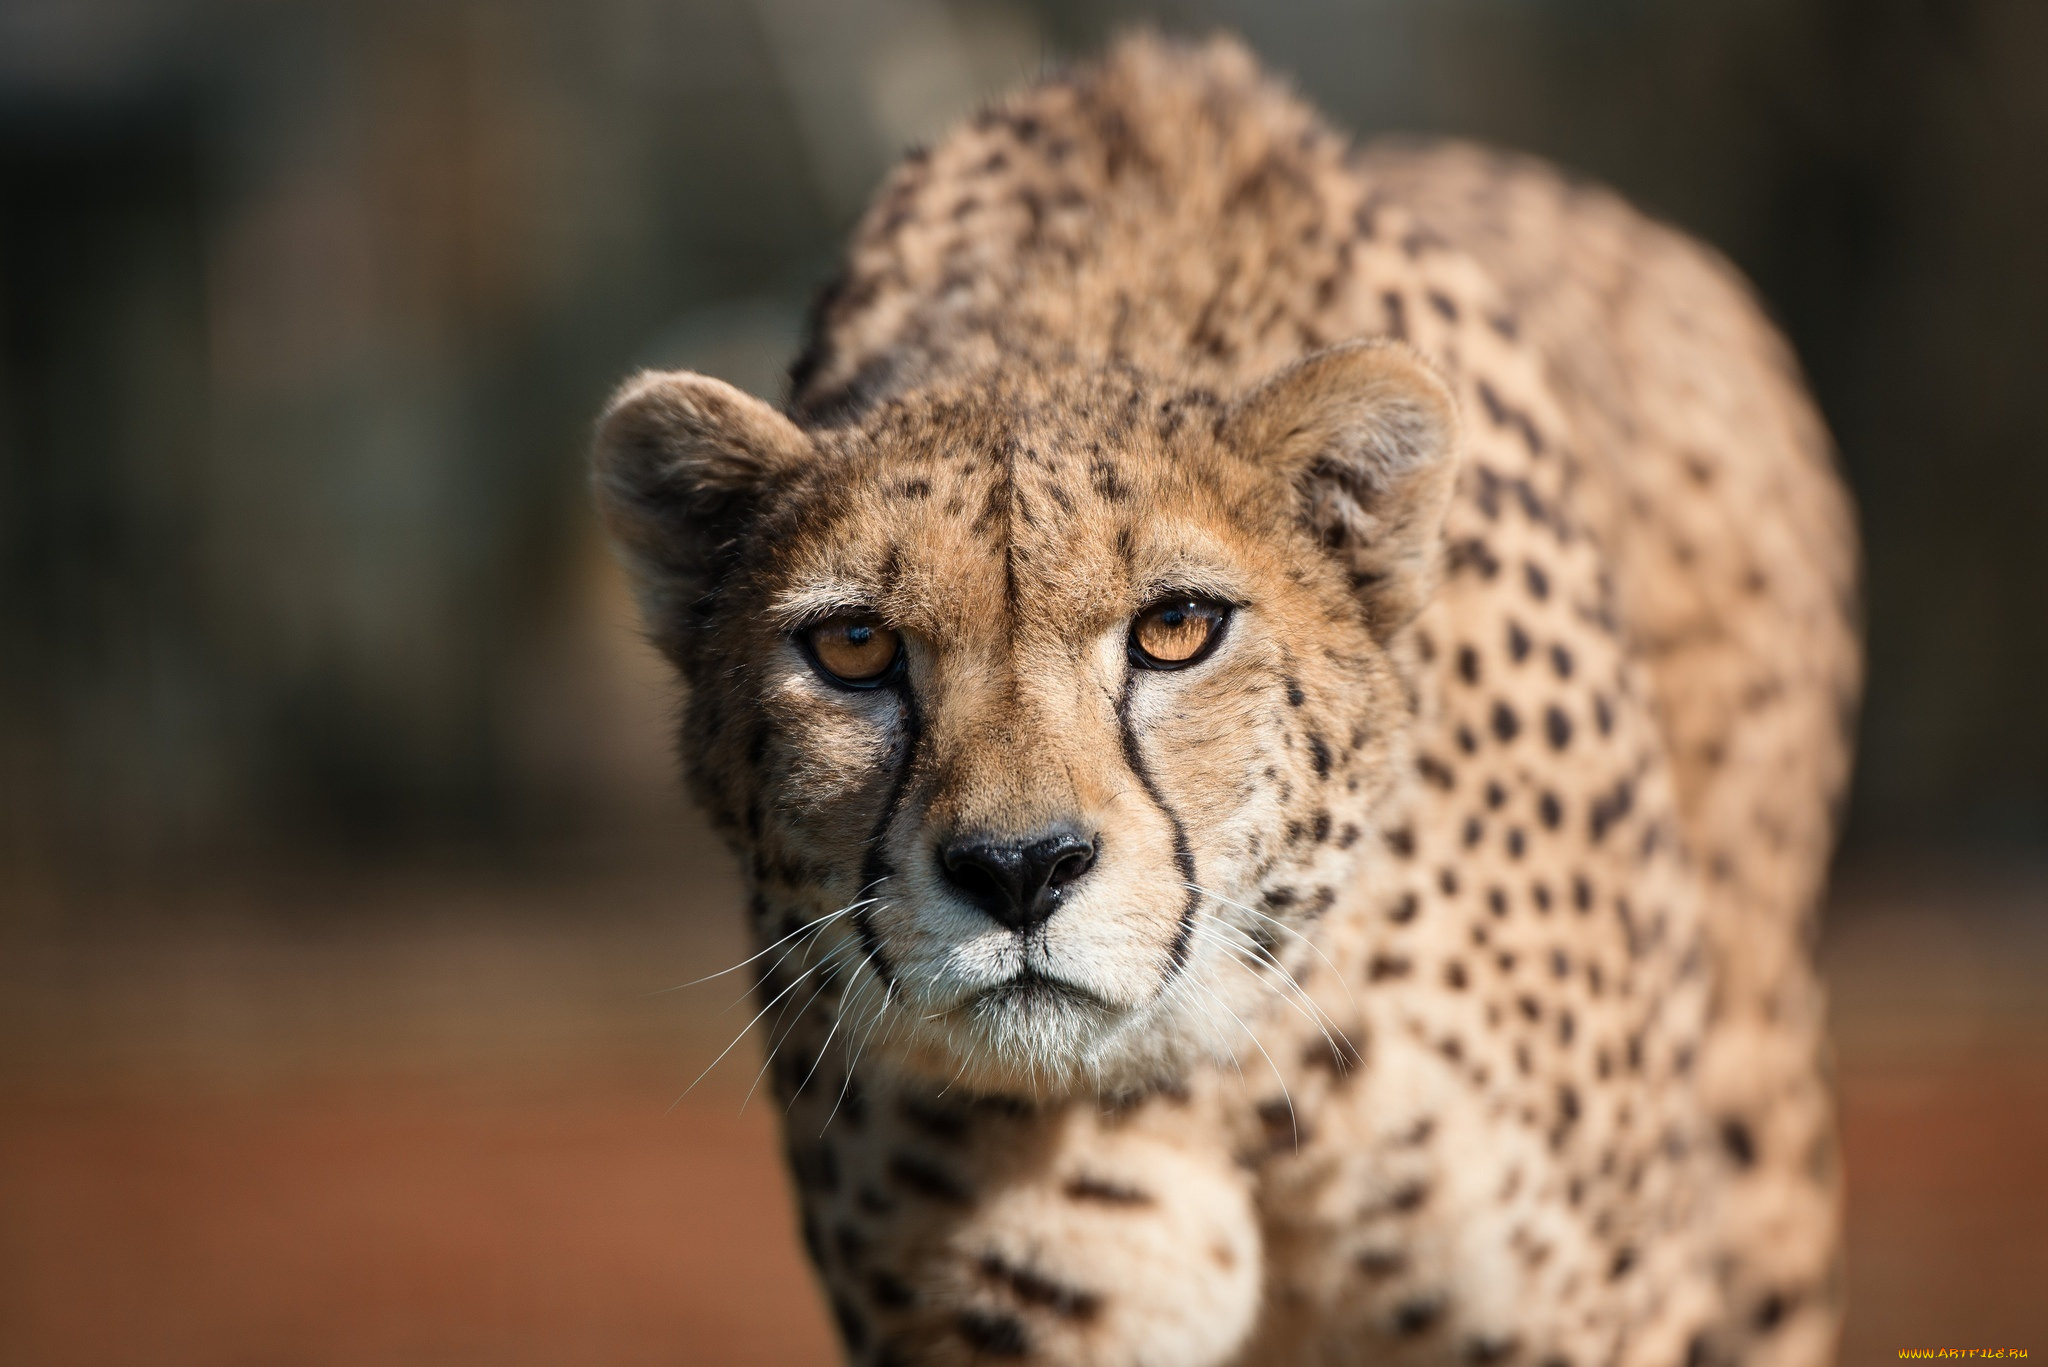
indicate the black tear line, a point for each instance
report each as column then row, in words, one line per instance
column 1183, row 853
column 877, row 869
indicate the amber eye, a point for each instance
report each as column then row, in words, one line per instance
column 856, row 650
column 1176, row 632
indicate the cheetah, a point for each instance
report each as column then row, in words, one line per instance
column 1283, row 708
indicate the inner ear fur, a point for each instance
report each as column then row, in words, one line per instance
column 1368, row 434
column 682, row 464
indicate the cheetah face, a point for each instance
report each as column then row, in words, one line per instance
column 1043, row 712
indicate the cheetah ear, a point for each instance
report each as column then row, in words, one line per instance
column 682, row 465
column 1369, row 435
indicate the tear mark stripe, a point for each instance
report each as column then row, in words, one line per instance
column 1183, row 852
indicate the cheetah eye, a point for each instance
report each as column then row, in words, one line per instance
column 1177, row 631
column 854, row 650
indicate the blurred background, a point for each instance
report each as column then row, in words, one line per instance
column 342, row 866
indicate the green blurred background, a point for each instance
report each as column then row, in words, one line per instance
column 334, row 781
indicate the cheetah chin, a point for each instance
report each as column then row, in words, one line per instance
column 1281, row 706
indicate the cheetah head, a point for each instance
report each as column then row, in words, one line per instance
column 1044, row 712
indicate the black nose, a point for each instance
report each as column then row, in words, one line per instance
column 1019, row 883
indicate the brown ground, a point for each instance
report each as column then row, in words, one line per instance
column 290, row 1131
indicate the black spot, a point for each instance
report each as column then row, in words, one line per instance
column 1611, row 808
column 997, row 1335
column 1506, row 725
column 1320, row 826
column 1557, row 726
column 1108, row 482
column 936, row 1119
column 1496, row 411
column 851, row 1243
column 1497, row 901
column 1540, row 892
column 1495, row 795
column 927, row 1180
column 1444, row 305
column 1348, row 836
column 1447, row 879
column 1474, row 830
column 1468, row 664
column 890, row 1291
column 1537, row 580
column 1397, row 317
column 1338, row 1053
column 1517, row 842
column 1319, row 755
column 1454, row 976
column 1417, row 1316
column 1401, row 840
column 1403, row 911
column 1295, row 697
column 1472, row 553
column 1624, row 1260
column 1484, row 1351
column 1770, row 1313
column 1385, row 966
column 1561, row 661
column 1738, row 1141
column 1551, row 813
column 1603, row 715
column 1041, row 1292
column 1467, row 742
column 1278, row 1119
column 1518, row 642
column 1381, row 1263
column 1582, row 892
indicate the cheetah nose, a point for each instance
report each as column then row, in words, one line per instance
column 1019, row 883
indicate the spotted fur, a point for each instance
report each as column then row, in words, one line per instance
column 1439, row 991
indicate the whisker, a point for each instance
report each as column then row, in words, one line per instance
column 1278, row 924
column 838, row 1019
column 1293, row 1123
column 796, row 1019
column 853, row 1055
column 1305, row 1005
column 793, row 985
column 861, row 899
column 1265, row 956
column 1184, row 988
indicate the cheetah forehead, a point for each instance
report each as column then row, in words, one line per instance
column 1035, row 504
